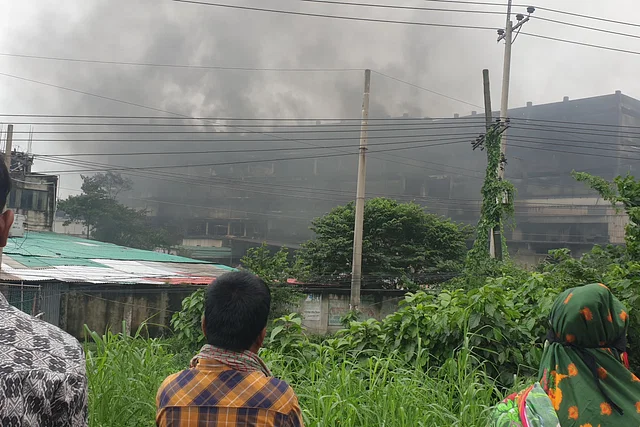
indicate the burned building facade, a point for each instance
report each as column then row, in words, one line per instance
column 253, row 183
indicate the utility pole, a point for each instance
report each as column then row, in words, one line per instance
column 488, row 114
column 356, row 272
column 506, row 35
column 7, row 151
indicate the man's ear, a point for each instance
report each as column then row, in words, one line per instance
column 261, row 337
column 6, row 221
column 204, row 327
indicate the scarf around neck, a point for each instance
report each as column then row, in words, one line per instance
column 245, row 361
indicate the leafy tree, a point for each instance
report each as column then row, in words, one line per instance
column 108, row 185
column 273, row 268
column 625, row 191
column 87, row 209
column 108, row 220
column 401, row 242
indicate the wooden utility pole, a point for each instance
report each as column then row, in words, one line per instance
column 488, row 114
column 487, row 100
column 495, row 238
column 356, row 271
column 9, row 148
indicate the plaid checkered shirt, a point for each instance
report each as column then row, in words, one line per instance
column 214, row 393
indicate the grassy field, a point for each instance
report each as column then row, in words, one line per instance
column 334, row 390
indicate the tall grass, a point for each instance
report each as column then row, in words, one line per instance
column 124, row 374
column 384, row 391
column 334, row 390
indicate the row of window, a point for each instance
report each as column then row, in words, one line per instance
column 35, row 200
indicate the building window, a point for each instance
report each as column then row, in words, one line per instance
column 35, row 200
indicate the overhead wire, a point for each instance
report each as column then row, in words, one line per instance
column 446, row 201
column 164, row 111
column 247, row 161
column 401, row 7
column 405, row 121
column 487, row 12
column 547, row 9
column 339, row 17
column 577, row 43
column 586, row 27
column 183, row 66
column 321, row 131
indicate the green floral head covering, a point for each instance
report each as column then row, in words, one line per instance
column 583, row 367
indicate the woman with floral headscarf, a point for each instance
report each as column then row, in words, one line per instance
column 585, row 379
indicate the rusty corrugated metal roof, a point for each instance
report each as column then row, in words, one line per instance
column 57, row 257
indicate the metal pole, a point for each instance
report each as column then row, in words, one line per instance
column 356, row 272
column 488, row 114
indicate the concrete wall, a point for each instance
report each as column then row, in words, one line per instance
column 321, row 310
column 205, row 243
column 103, row 308
column 73, row 229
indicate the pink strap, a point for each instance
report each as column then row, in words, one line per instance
column 522, row 405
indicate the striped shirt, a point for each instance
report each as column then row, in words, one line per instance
column 213, row 394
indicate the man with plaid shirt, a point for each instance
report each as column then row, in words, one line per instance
column 227, row 384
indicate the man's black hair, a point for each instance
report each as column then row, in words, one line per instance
column 236, row 309
column 5, row 183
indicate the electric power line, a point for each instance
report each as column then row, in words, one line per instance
column 487, row 12
column 189, row 132
column 183, row 66
column 595, row 46
column 573, row 152
column 547, row 9
column 445, row 141
column 411, row 121
column 321, row 15
column 249, row 161
column 425, row 89
column 586, row 27
column 396, row 7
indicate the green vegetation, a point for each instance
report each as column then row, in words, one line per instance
column 625, row 191
column 497, row 207
column 108, row 220
column 124, row 374
column 402, row 244
column 443, row 358
column 274, row 268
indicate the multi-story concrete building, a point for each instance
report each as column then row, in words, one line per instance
column 33, row 195
column 238, row 187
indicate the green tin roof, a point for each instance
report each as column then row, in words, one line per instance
column 43, row 262
column 41, row 249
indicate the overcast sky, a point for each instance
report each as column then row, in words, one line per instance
column 447, row 60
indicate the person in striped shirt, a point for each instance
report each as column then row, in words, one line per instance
column 227, row 384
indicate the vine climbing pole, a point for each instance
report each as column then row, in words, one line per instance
column 497, row 193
